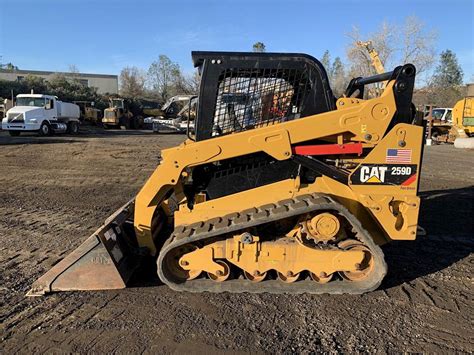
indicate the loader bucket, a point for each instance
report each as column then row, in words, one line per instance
column 106, row 260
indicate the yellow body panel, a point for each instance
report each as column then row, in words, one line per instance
column 285, row 255
column 464, row 110
column 395, row 208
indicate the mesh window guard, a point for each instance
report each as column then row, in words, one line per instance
column 251, row 98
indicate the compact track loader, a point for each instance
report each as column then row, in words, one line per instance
column 281, row 188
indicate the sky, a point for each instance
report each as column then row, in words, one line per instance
column 104, row 36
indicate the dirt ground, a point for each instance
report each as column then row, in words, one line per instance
column 55, row 191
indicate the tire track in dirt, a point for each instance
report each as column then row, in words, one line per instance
column 57, row 194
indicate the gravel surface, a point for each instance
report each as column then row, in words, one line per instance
column 55, row 191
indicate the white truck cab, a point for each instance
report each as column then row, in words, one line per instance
column 442, row 114
column 40, row 113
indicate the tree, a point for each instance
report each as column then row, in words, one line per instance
column 336, row 73
column 445, row 86
column 35, row 83
column 8, row 66
column 338, row 77
column 187, row 84
column 396, row 44
column 163, row 75
column 326, row 61
column 73, row 69
column 259, row 47
column 132, row 82
column 448, row 72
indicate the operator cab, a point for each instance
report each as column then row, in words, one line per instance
column 257, row 89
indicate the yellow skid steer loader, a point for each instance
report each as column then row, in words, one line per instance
column 282, row 188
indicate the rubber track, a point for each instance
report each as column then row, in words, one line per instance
column 264, row 214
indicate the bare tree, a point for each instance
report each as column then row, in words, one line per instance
column 73, row 72
column 73, row 69
column 188, row 84
column 396, row 44
column 132, row 82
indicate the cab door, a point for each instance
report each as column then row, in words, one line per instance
column 50, row 110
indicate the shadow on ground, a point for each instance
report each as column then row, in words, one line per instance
column 446, row 215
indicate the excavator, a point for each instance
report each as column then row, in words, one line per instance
column 285, row 190
column 374, row 55
column 376, row 64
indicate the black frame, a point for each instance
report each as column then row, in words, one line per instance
column 212, row 64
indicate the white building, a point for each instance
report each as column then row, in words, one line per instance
column 103, row 82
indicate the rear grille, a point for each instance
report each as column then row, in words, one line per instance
column 15, row 118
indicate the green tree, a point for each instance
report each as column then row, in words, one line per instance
column 448, row 73
column 338, row 77
column 35, row 83
column 336, row 73
column 326, row 61
column 445, row 87
column 259, row 47
column 163, row 75
column 8, row 66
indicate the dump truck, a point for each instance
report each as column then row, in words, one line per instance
column 289, row 191
column 40, row 113
column 122, row 113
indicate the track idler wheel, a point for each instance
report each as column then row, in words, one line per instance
column 220, row 276
column 367, row 265
column 172, row 262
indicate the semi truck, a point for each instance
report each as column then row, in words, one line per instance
column 41, row 113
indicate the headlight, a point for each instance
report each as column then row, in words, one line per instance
column 33, row 120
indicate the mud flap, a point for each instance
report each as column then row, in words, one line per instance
column 106, row 260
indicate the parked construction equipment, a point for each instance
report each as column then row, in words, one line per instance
column 5, row 105
column 376, row 63
column 447, row 125
column 122, row 113
column 285, row 190
column 177, row 114
column 463, row 118
column 89, row 113
column 40, row 113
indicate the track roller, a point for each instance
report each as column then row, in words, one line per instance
column 289, row 277
column 256, row 276
column 322, row 278
column 219, row 275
